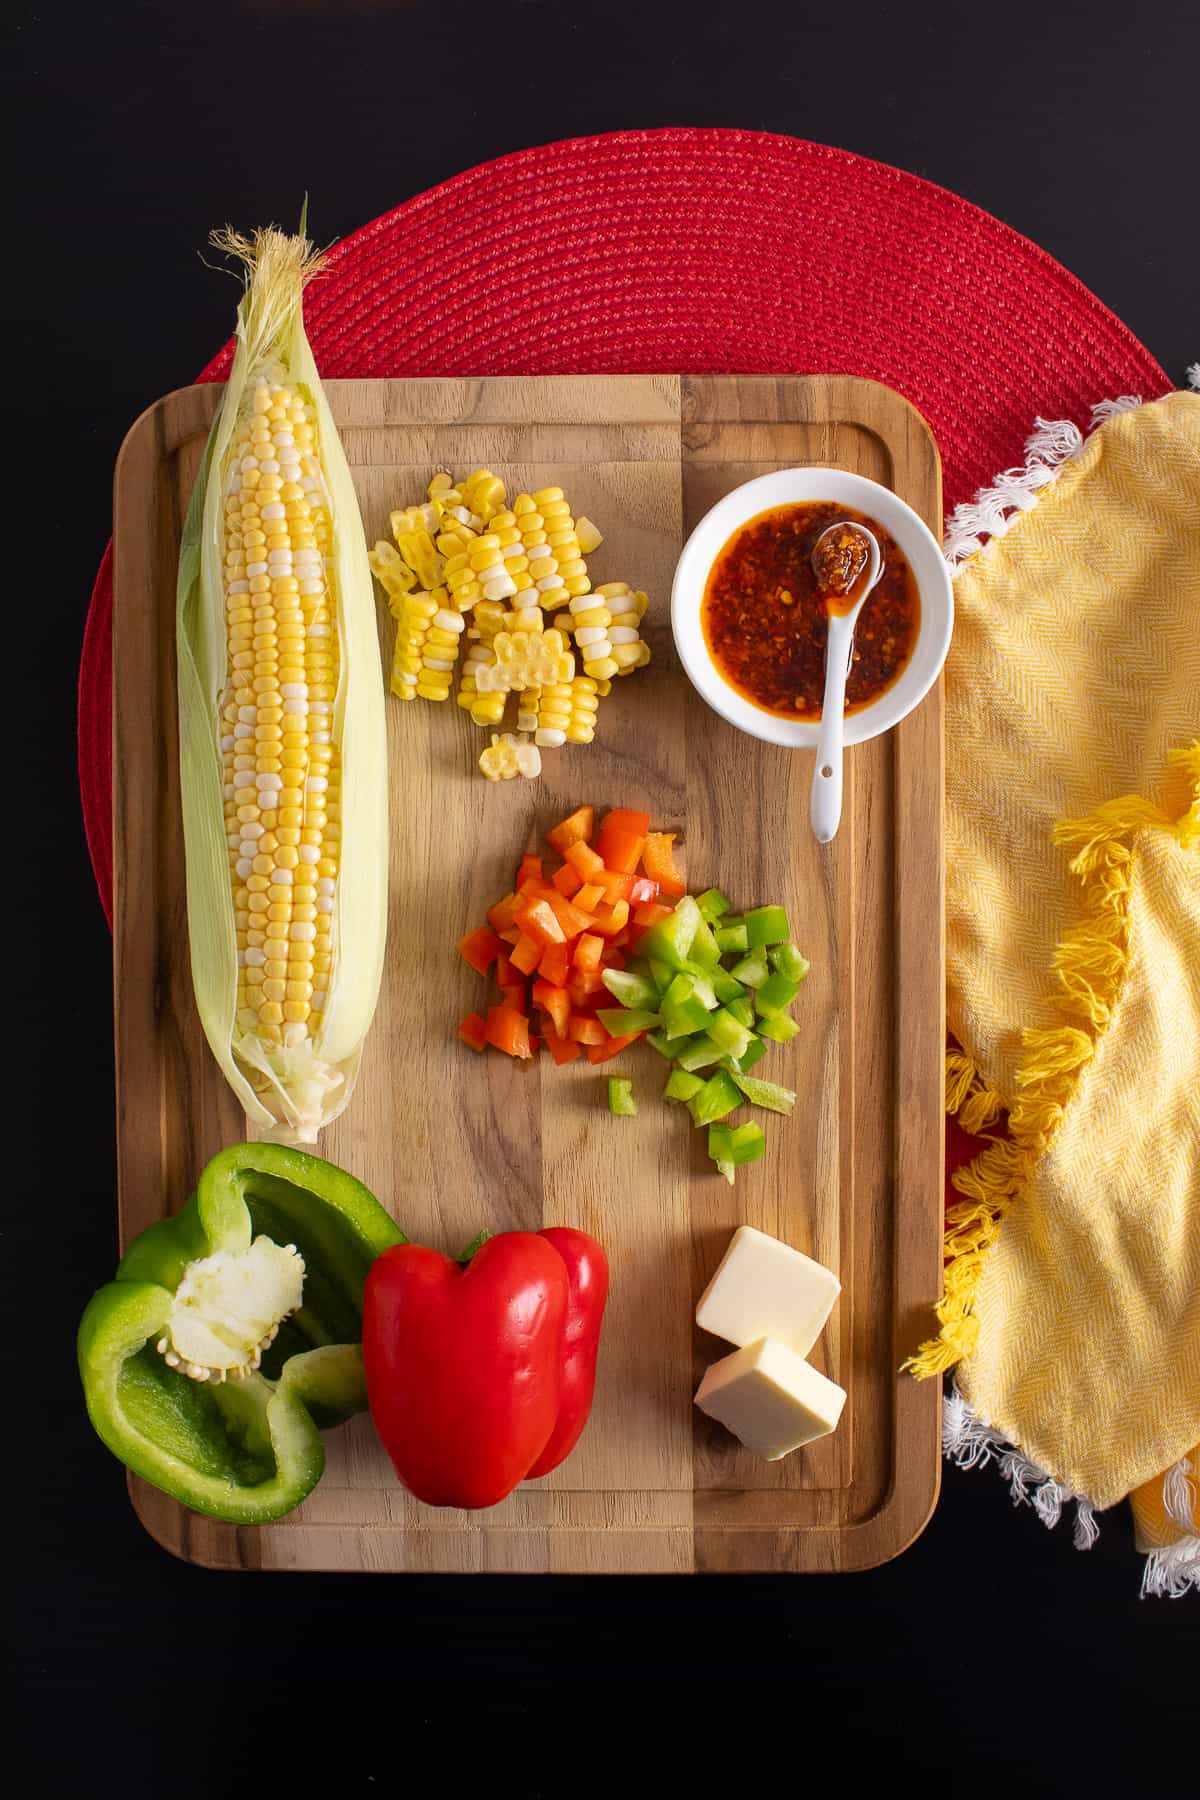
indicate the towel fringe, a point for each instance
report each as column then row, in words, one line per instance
column 969, row 1443
column 1052, row 444
column 1090, row 965
column 1174, row 1572
column 1175, row 1569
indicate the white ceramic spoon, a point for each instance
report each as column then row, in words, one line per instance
column 847, row 597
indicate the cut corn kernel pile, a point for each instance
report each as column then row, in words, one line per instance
column 537, row 628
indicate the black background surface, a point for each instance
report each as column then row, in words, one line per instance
column 991, row 1652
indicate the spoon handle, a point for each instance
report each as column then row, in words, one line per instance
column 826, row 811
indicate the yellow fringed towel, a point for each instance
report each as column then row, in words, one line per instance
column 1072, row 1302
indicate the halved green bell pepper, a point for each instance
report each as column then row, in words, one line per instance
column 229, row 1338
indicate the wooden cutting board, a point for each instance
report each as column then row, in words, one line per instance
column 452, row 1142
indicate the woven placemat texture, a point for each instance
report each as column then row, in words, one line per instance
column 697, row 251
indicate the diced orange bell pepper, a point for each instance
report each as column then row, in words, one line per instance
column 509, row 936
column 650, row 912
column 535, row 887
column 474, row 1031
column 643, row 889
column 513, row 994
column 572, row 918
column 555, row 1002
column 529, row 868
column 575, row 828
column 501, row 916
column 555, row 964
column 508, row 1030
column 480, row 948
column 622, row 851
column 563, row 1050
column 608, row 920
column 504, row 970
column 582, row 857
column 567, row 880
column 621, row 838
column 526, row 955
column 589, row 896
column 587, row 990
column 624, row 818
column 588, row 951
column 616, row 885
column 586, row 1031
column 539, row 923
column 659, row 863
column 598, row 1053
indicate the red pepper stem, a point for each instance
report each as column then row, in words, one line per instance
column 476, row 1243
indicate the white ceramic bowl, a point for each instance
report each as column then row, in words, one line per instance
column 782, row 489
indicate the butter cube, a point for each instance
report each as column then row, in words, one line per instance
column 770, row 1398
column 766, row 1289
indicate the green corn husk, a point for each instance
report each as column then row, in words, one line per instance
column 289, row 1093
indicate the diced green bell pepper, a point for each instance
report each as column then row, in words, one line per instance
column 725, row 988
column 719, row 1147
column 704, row 951
column 754, row 1050
column 752, row 971
column 229, row 1338
column 781, row 1029
column 661, row 973
column 662, row 1043
column 742, row 1009
column 788, row 960
column 621, row 1103
column 619, row 1020
column 712, row 904
column 732, row 939
column 702, row 984
column 670, row 941
column 728, row 1032
column 767, row 925
column 746, row 1144
column 698, row 1052
column 716, row 1099
column 631, row 989
column 775, row 995
column 764, row 1093
column 683, row 1011
column 681, row 1085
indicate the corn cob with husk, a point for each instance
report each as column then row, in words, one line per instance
column 282, row 743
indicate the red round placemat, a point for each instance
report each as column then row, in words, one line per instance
column 697, row 251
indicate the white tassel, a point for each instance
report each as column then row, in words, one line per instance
column 1109, row 409
column 1179, row 1496
column 1053, row 442
column 966, row 1440
column 1086, row 1528
column 1172, row 1573
column 970, row 1444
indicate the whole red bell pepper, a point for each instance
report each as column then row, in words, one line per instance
column 587, row 1277
column 478, row 1376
